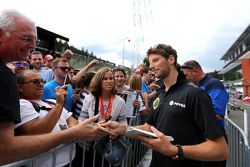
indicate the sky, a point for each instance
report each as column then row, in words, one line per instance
column 121, row 31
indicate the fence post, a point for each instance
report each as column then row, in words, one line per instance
column 245, row 122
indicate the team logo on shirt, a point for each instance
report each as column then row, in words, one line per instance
column 156, row 103
column 171, row 103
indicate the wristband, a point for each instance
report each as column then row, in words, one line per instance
column 180, row 154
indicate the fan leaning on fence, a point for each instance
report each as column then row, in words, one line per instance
column 42, row 116
column 18, row 37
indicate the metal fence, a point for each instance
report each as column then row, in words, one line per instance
column 237, row 138
column 50, row 157
column 238, row 144
column 132, row 158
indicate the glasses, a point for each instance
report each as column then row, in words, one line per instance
column 20, row 63
column 28, row 39
column 35, row 81
column 64, row 68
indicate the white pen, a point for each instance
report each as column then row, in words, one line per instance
column 65, row 79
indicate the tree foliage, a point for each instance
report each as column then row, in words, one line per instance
column 229, row 76
column 146, row 62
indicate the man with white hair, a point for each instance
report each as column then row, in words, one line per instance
column 18, row 37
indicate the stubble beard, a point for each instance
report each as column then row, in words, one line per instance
column 164, row 74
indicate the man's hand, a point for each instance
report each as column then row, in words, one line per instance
column 154, row 86
column 116, row 127
column 75, row 97
column 93, row 63
column 61, row 92
column 160, row 144
column 136, row 103
column 68, row 54
column 87, row 131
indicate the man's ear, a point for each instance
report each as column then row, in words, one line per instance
column 195, row 70
column 20, row 88
column 53, row 68
column 171, row 59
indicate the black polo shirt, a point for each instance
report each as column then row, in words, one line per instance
column 186, row 113
column 9, row 98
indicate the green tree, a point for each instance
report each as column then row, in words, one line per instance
column 146, row 62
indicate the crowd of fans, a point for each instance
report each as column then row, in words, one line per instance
column 86, row 105
column 53, row 96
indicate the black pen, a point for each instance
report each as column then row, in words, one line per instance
column 108, row 118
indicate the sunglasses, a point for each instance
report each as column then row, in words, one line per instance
column 64, row 68
column 20, row 64
column 37, row 82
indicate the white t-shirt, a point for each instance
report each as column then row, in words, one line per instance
column 28, row 113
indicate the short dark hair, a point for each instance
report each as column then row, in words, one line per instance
column 163, row 50
column 145, row 70
column 191, row 64
column 57, row 60
column 119, row 69
column 36, row 52
column 86, row 79
column 22, row 76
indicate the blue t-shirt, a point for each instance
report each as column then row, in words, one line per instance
column 49, row 93
column 146, row 89
column 47, row 75
column 218, row 94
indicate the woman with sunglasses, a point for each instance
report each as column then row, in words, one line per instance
column 104, row 101
column 39, row 116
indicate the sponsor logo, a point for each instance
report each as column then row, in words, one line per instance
column 171, row 103
column 156, row 103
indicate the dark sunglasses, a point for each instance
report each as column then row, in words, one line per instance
column 35, row 81
column 64, row 68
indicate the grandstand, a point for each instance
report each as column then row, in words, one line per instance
column 54, row 44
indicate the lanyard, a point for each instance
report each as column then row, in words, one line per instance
column 105, row 116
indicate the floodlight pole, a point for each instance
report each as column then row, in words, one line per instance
column 123, row 49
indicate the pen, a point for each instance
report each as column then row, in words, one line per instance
column 108, row 118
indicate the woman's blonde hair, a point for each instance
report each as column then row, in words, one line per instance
column 135, row 82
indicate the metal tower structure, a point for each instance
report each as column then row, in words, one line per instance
column 141, row 13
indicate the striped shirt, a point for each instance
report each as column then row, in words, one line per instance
column 78, row 104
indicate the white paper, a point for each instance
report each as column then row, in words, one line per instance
column 129, row 97
column 132, row 131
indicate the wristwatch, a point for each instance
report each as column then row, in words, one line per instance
column 180, row 154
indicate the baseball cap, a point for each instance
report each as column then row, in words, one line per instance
column 48, row 58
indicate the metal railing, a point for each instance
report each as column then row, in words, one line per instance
column 238, row 144
column 50, row 157
column 237, row 138
column 133, row 157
